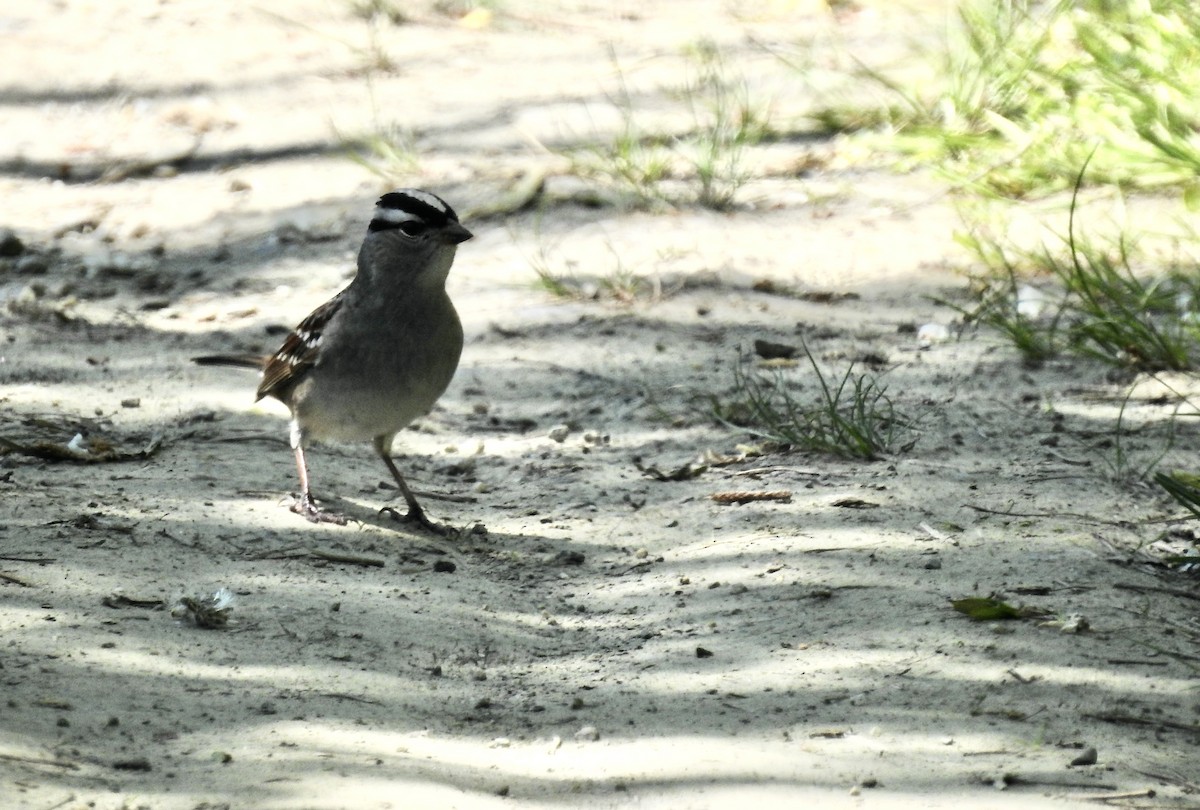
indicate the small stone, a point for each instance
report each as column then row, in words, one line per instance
column 1087, row 756
column 559, row 433
column 701, row 652
column 1030, row 302
column 135, row 764
column 934, row 565
column 587, row 734
column 565, row 557
column 931, row 333
column 32, row 264
column 131, row 402
column 1075, row 623
column 10, row 243
column 444, row 567
column 769, row 350
column 28, row 294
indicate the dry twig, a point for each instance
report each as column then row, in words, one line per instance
column 740, row 496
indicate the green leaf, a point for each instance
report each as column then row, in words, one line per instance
column 985, row 609
column 1183, row 486
column 1191, row 196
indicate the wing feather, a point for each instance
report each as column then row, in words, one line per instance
column 299, row 351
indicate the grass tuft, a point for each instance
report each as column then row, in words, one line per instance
column 1100, row 305
column 1018, row 82
column 850, row 416
column 387, row 151
column 703, row 164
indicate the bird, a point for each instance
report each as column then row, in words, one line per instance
column 379, row 354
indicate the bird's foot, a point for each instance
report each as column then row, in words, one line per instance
column 416, row 514
column 307, row 505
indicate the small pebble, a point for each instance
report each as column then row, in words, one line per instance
column 559, row 433
column 931, row 333
column 32, row 265
column 1030, row 301
column 588, row 733
column 10, row 243
column 136, row 764
column 1087, row 756
column 1075, row 623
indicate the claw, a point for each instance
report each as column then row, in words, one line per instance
column 307, row 505
column 416, row 515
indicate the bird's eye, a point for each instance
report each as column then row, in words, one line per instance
column 413, row 227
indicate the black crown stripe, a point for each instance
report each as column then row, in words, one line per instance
column 419, row 208
column 382, row 225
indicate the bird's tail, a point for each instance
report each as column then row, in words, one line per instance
column 252, row 361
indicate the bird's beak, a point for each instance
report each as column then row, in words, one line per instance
column 455, row 233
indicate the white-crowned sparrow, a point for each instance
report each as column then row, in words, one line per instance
column 379, row 353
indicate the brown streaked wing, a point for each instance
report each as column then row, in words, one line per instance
column 299, row 350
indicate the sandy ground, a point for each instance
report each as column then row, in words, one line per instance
column 591, row 637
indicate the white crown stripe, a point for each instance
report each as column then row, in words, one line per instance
column 394, row 215
column 424, row 196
